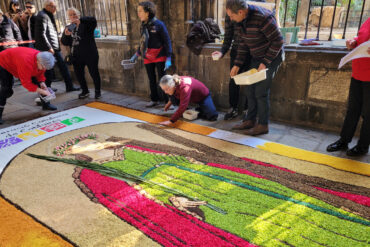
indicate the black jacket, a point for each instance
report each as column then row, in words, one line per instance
column 82, row 39
column 9, row 32
column 202, row 32
column 46, row 36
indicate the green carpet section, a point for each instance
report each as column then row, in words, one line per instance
column 261, row 211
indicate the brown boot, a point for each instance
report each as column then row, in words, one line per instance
column 244, row 125
column 259, row 129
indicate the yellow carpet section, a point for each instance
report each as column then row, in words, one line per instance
column 19, row 229
column 292, row 152
column 151, row 118
column 336, row 162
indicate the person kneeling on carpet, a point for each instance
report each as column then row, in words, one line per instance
column 187, row 90
column 29, row 66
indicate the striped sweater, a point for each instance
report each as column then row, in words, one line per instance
column 261, row 34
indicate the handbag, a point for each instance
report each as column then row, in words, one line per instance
column 68, row 59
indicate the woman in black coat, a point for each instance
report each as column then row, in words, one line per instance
column 79, row 35
column 9, row 32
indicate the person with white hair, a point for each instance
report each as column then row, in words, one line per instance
column 186, row 90
column 46, row 39
column 29, row 66
column 79, row 36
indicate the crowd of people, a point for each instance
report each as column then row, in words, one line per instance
column 251, row 32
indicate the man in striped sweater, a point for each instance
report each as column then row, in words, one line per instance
column 260, row 35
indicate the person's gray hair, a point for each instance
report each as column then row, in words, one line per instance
column 46, row 59
column 236, row 5
column 47, row 2
column 168, row 80
column 78, row 13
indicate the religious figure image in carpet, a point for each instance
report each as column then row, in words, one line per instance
column 204, row 196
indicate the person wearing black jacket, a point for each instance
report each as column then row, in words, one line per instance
column 156, row 49
column 79, row 35
column 46, row 39
column 9, row 32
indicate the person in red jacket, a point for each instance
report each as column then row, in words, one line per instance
column 187, row 90
column 29, row 66
column 358, row 100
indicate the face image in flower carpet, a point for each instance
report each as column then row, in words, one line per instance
column 195, row 198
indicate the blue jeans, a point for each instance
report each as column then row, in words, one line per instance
column 63, row 70
column 207, row 108
column 258, row 94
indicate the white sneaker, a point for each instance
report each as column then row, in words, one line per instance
column 152, row 104
column 171, row 108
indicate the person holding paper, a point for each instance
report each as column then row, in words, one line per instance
column 358, row 100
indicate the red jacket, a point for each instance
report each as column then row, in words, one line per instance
column 361, row 66
column 190, row 90
column 21, row 62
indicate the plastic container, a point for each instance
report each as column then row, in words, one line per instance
column 216, row 56
column 126, row 64
column 247, row 78
column 97, row 33
column 49, row 97
column 288, row 37
column 190, row 114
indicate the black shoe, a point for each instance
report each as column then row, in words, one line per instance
column 357, row 151
column 336, row 146
column 49, row 107
column 214, row 118
column 97, row 95
column 73, row 89
column 232, row 113
column 83, row 95
column 1, row 121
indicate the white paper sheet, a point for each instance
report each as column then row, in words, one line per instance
column 359, row 52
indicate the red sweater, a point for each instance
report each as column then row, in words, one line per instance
column 21, row 62
column 361, row 66
column 190, row 90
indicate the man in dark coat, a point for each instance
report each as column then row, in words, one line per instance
column 9, row 33
column 46, row 39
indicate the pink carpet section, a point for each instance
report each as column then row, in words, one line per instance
column 145, row 149
column 267, row 165
column 364, row 200
column 235, row 169
column 164, row 224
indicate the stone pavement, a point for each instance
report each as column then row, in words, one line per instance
column 21, row 107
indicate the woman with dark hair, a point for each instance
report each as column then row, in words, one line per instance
column 186, row 90
column 79, row 35
column 14, row 11
column 155, row 47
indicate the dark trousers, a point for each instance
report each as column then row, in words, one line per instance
column 63, row 70
column 258, row 94
column 358, row 104
column 156, row 93
column 6, row 90
column 207, row 109
column 92, row 66
column 233, row 88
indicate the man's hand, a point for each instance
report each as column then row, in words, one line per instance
column 43, row 92
column 43, row 85
column 350, row 43
column 167, row 106
column 166, row 123
column 76, row 21
column 67, row 32
column 261, row 67
column 234, row 71
column 51, row 51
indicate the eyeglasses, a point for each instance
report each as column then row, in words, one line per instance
column 29, row 7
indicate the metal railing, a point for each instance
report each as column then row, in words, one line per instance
column 111, row 15
column 317, row 19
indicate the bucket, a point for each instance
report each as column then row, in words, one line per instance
column 249, row 78
column 49, row 97
column 126, row 64
column 190, row 114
